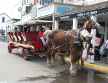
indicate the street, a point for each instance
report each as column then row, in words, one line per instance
column 14, row 69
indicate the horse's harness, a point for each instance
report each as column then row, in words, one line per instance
column 65, row 45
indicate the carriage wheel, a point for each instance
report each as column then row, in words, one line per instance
column 9, row 50
column 24, row 54
column 26, row 58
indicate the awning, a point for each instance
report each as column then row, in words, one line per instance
column 31, row 21
column 18, row 23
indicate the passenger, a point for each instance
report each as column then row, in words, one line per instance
column 46, row 34
column 97, row 42
column 41, row 31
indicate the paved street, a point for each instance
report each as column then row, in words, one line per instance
column 13, row 69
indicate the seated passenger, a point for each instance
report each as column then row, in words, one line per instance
column 44, row 38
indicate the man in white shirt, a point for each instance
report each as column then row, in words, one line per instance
column 89, row 33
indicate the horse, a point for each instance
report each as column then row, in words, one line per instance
column 61, row 42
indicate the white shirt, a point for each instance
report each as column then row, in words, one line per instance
column 85, row 33
column 47, row 32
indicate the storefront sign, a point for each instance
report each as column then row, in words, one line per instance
column 62, row 9
column 86, row 13
column 58, row 9
column 45, row 10
column 92, row 12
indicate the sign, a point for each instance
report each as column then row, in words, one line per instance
column 62, row 9
column 58, row 9
column 92, row 12
column 45, row 10
column 64, row 17
column 86, row 13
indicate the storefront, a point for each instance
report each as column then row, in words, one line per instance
column 99, row 15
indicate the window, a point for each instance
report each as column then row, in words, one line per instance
column 28, row 9
column 3, row 19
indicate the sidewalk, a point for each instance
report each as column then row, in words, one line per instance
column 98, row 66
column 101, row 67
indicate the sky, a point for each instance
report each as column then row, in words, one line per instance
column 10, row 7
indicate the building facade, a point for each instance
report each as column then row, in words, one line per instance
column 52, row 10
column 4, row 23
column 45, row 10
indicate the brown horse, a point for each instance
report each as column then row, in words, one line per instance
column 64, row 42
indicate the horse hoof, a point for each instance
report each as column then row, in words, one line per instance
column 73, row 74
column 50, row 65
column 48, row 62
column 79, row 67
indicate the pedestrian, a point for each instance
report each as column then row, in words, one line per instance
column 88, row 35
column 104, row 49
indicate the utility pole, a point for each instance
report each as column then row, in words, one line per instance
column 21, row 9
column 83, row 4
column 53, row 24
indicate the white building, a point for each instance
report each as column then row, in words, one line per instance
column 6, row 23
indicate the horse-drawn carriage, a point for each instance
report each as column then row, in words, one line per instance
column 60, row 42
column 28, row 41
column 31, row 44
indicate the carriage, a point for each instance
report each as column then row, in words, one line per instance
column 26, row 38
